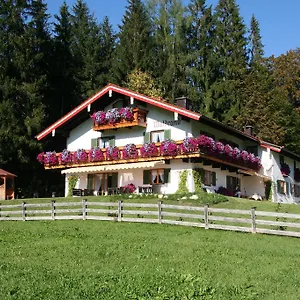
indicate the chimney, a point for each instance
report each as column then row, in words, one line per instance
column 248, row 129
column 184, row 102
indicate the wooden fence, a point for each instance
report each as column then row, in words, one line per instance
column 252, row 221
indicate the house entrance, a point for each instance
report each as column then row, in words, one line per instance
column 108, row 183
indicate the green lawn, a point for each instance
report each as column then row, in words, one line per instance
column 106, row 260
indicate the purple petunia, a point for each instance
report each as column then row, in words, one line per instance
column 130, row 151
column 149, row 150
column 96, row 154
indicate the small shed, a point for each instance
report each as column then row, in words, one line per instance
column 7, row 186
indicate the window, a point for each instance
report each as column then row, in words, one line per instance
column 90, row 181
column 107, row 141
column 207, row 177
column 296, row 190
column 157, row 176
column 232, row 183
column 157, row 136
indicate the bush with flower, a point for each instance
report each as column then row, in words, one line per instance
column 113, row 116
column 228, row 151
column 66, row 157
column 189, row 144
column 96, row 154
column 126, row 113
column 285, row 169
column 80, row 156
column 148, row 150
column 168, row 148
column 50, row 158
column 129, row 188
column 112, row 153
column 130, row 151
column 40, row 157
column 206, row 144
column 99, row 117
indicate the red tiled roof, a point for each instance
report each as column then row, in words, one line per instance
column 114, row 88
column 5, row 173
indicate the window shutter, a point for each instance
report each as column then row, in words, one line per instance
column 166, row 175
column 167, row 134
column 146, row 176
column 147, row 137
column 114, row 180
column 112, row 142
column 214, row 179
column 94, row 143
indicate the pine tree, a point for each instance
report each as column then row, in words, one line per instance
column 256, row 46
column 135, row 42
column 200, row 67
column 86, row 49
column 170, row 46
column 107, row 44
column 64, row 80
column 23, row 84
column 229, row 46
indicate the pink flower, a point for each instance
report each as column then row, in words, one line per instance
column 96, row 154
column 112, row 153
column 149, row 150
column 190, row 144
column 130, row 151
column 40, row 158
column 168, row 148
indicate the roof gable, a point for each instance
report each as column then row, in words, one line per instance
column 114, row 88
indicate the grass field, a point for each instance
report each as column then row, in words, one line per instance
column 106, row 260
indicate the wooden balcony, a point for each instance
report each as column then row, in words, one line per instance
column 197, row 156
column 139, row 119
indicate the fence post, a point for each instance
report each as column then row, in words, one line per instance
column 206, row 216
column 53, row 210
column 23, row 211
column 84, row 209
column 253, row 218
column 120, row 206
column 159, row 211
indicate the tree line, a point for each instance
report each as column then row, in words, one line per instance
column 162, row 48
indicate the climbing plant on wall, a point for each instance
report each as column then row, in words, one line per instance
column 72, row 180
column 182, row 187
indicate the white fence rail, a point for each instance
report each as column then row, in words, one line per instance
column 251, row 221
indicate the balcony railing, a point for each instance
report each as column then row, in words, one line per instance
column 188, row 148
column 137, row 117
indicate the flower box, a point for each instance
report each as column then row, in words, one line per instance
column 119, row 118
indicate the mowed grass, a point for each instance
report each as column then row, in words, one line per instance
column 107, row 260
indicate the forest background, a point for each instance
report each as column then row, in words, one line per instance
column 50, row 64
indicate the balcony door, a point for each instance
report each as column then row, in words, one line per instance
column 107, row 181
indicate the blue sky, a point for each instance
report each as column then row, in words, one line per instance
column 279, row 20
